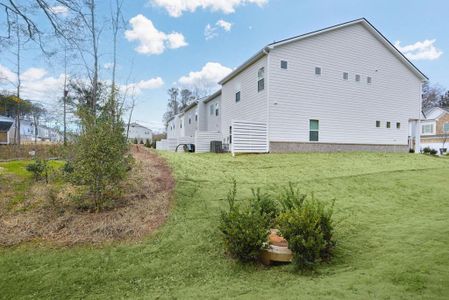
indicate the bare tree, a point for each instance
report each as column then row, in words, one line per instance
column 431, row 96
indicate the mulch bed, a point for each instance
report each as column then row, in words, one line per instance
column 145, row 207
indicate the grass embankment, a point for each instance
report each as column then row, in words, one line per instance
column 392, row 242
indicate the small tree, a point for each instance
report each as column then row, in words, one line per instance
column 100, row 158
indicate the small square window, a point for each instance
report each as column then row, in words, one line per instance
column 284, row 64
column 388, row 124
column 345, row 76
column 369, row 80
column 398, row 125
column 317, row 71
column 357, row 78
column 237, row 97
column 377, row 124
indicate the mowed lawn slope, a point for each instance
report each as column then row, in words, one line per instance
column 393, row 236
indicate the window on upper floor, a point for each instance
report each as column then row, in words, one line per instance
column 317, row 71
column 211, row 109
column 284, row 64
column 237, row 97
column 345, row 75
column 427, row 129
column 190, row 120
column 314, row 128
column 357, row 77
column 196, row 117
column 377, row 124
column 369, row 80
column 261, row 79
column 216, row 110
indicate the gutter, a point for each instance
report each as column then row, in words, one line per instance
column 247, row 63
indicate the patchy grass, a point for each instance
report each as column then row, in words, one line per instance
column 392, row 239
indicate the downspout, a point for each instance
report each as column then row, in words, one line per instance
column 418, row 126
column 266, row 51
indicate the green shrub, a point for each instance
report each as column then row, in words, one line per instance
column 427, row 150
column 147, row 143
column 411, row 150
column 309, row 232
column 433, row 152
column 291, row 197
column 40, row 169
column 68, row 168
column 244, row 229
column 264, row 204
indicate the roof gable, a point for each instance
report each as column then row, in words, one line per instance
column 361, row 21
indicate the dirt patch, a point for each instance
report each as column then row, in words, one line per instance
column 143, row 209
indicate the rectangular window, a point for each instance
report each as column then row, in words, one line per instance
column 345, row 76
column 368, row 80
column 377, row 124
column 190, row 120
column 388, row 124
column 314, row 127
column 357, row 78
column 261, row 79
column 211, row 109
column 427, row 129
column 230, row 134
column 216, row 109
column 237, row 97
column 398, row 125
column 446, row 127
column 317, row 71
column 196, row 117
column 284, row 64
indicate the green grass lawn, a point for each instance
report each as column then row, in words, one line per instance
column 393, row 239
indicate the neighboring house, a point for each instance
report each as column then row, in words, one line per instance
column 28, row 132
column 435, row 129
column 342, row 88
column 5, row 127
column 139, row 132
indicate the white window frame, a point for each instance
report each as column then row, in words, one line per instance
column 426, row 132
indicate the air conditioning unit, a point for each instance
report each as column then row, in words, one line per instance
column 216, row 147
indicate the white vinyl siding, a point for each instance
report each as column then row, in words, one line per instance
column 347, row 110
column 213, row 121
column 253, row 104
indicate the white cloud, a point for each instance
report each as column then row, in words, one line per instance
column 211, row 32
column 225, row 25
column 6, row 75
column 59, row 10
column 108, row 66
column 152, row 41
column 424, row 50
column 138, row 87
column 207, row 78
column 175, row 8
column 33, row 74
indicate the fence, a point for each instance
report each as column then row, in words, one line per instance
column 203, row 139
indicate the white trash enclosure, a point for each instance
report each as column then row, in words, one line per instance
column 249, row 137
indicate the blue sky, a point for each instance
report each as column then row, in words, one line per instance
column 176, row 45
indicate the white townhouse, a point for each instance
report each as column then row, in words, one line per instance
column 342, row 88
column 139, row 132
